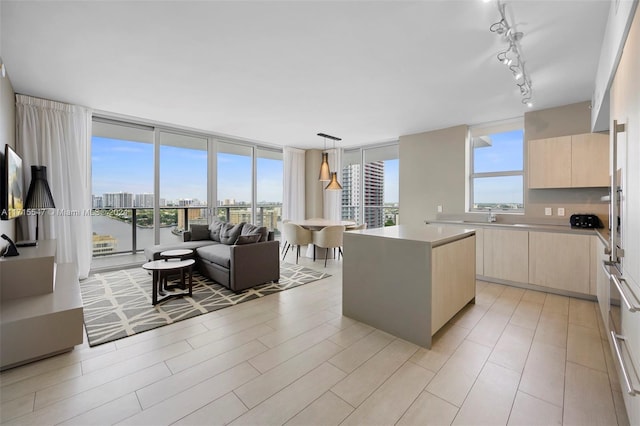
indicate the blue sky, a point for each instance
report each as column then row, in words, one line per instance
column 505, row 154
column 126, row 166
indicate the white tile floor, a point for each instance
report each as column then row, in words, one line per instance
column 515, row 357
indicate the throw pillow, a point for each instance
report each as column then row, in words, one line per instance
column 199, row 232
column 230, row 233
column 215, row 228
column 247, row 239
column 249, row 229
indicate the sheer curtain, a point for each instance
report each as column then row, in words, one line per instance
column 332, row 200
column 58, row 136
column 293, row 200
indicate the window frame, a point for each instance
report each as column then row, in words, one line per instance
column 489, row 129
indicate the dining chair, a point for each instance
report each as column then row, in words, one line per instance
column 329, row 237
column 296, row 236
column 283, row 239
column 357, row 227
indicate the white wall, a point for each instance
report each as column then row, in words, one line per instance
column 7, row 136
column 432, row 173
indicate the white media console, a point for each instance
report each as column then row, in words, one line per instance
column 40, row 306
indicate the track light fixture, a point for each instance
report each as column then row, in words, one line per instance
column 512, row 56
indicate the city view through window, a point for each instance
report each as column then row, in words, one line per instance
column 123, row 197
column 123, row 183
column 497, row 178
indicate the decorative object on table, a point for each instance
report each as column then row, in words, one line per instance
column 118, row 304
column 512, row 57
column 39, row 195
column 11, row 249
column 325, row 170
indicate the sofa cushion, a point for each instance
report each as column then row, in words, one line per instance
column 247, row 239
column 220, row 254
column 229, row 233
column 199, row 232
column 215, row 228
column 249, row 229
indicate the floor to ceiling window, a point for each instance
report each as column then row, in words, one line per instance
column 370, row 179
column 235, row 182
column 269, row 186
column 149, row 184
column 183, row 184
column 122, row 170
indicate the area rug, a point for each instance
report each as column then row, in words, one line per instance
column 118, row 304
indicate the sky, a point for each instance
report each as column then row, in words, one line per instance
column 504, row 154
column 119, row 165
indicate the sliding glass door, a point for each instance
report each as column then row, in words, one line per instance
column 235, row 182
column 183, row 184
column 122, row 172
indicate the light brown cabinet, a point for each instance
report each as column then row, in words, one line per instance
column 560, row 261
column 506, row 254
column 577, row 161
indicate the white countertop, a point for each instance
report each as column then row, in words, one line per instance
column 432, row 234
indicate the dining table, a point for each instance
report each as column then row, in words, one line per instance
column 316, row 224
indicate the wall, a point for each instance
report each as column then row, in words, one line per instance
column 7, row 135
column 313, row 187
column 553, row 122
column 432, row 173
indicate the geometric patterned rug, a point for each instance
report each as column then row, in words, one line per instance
column 118, row 304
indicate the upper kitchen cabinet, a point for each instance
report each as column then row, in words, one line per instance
column 577, row 161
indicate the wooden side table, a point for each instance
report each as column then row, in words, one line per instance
column 161, row 269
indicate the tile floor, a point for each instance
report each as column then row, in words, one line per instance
column 516, row 357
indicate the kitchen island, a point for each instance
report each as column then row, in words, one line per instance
column 408, row 280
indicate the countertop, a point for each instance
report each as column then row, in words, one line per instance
column 434, row 235
column 602, row 233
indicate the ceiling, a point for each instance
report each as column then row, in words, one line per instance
column 279, row 72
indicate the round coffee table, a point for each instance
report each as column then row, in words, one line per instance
column 163, row 268
column 176, row 254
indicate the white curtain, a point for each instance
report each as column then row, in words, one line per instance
column 58, row 136
column 293, row 201
column 332, row 200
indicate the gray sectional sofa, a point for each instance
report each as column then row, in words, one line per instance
column 237, row 256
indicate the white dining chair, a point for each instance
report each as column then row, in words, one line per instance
column 296, row 236
column 329, row 237
column 357, row 227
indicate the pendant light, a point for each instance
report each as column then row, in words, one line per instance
column 333, row 185
column 325, row 172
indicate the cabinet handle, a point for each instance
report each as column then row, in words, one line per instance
column 618, row 283
column 625, row 375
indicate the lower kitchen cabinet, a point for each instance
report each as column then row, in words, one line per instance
column 560, row 261
column 505, row 254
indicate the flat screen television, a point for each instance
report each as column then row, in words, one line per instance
column 13, row 196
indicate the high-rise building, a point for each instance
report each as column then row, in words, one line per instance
column 117, row 200
column 373, row 192
column 96, row 201
column 144, row 200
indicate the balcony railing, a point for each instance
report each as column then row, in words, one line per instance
column 374, row 216
column 130, row 230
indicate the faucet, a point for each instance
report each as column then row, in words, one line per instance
column 491, row 217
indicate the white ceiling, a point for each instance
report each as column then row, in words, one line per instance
column 280, row 72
